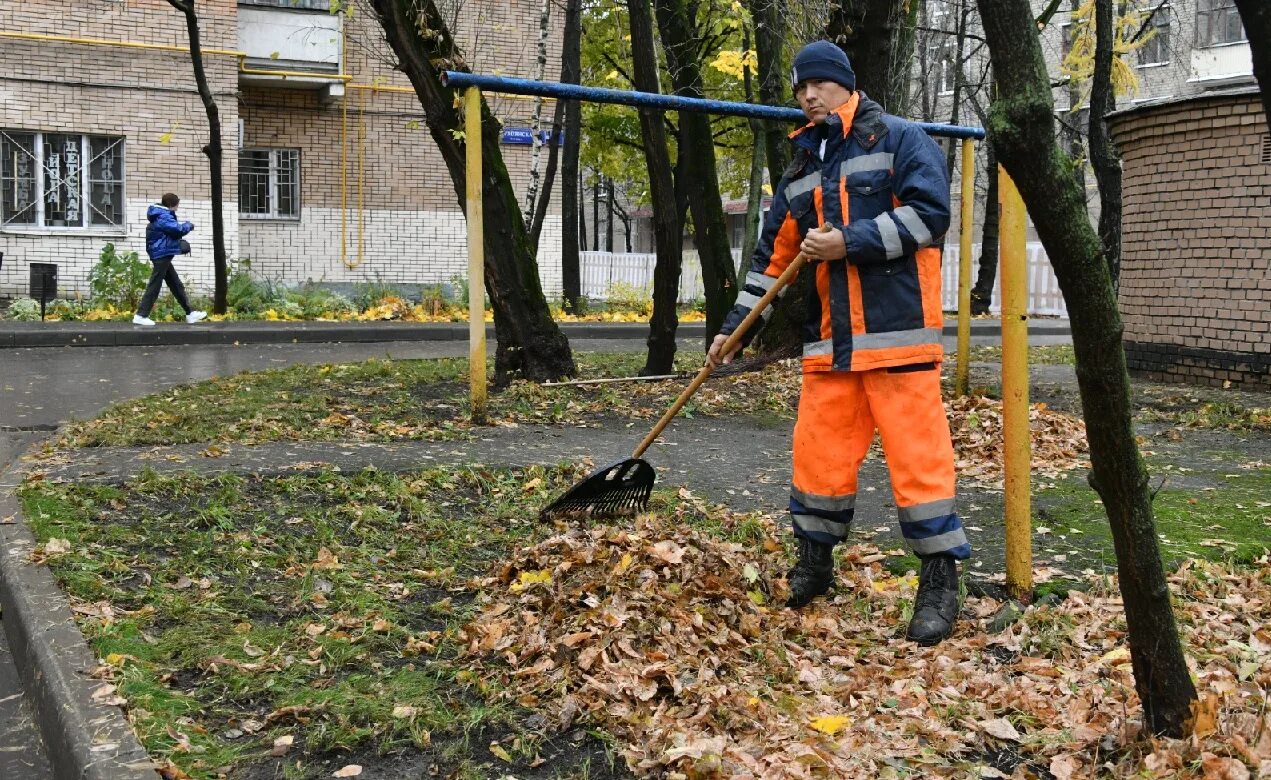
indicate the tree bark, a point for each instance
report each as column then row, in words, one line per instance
column 681, row 41
column 878, row 37
column 215, row 158
column 1021, row 125
column 986, row 275
column 549, row 177
column 667, row 228
column 572, row 239
column 536, row 119
column 770, row 29
column 530, row 345
column 1256, row 16
column 754, row 190
column 1103, row 156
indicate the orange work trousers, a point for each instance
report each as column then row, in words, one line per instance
column 838, row 414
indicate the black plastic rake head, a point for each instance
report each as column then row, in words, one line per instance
column 619, row 488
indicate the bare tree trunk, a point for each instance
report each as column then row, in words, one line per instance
column 530, row 345
column 609, row 196
column 1256, row 16
column 536, row 119
column 754, row 192
column 770, row 31
column 549, row 177
column 215, row 158
column 685, row 55
column 595, row 214
column 1103, row 156
column 1021, row 124
column 959, row 84
column 878, row 38
column 986, row 275
column 572, row 236
column 667, row 228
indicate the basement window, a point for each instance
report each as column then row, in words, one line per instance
column 61, row 180
column 269, row 183
column 1266, row 149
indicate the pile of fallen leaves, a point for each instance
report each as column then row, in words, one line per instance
column 1058, row 440
column 672, row 639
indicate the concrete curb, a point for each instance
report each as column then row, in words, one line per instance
column 85, row 739
column 115, row 334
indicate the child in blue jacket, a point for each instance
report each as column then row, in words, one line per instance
column 163, row 243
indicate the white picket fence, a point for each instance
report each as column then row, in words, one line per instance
column 602, row 270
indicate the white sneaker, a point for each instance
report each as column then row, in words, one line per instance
column 144, row 322
column 195, row 316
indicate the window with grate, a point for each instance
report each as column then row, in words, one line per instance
column 1218, row 22
column 1156, row 50
column 1266, row 149
column 269, row 183
column 61, row 180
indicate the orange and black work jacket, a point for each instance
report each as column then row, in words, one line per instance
column 883, row 182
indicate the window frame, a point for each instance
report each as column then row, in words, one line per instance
column 84, row 188
column 1207, row 9
column 1165, row 12
column 272, row 214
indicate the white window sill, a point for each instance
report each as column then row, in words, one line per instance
column 93, row 232
column 1224, row 44
column 267, row 218
column 1148, row 65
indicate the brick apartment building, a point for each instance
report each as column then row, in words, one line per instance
column 330, row 174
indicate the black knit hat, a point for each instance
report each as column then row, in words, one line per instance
column 822, row 60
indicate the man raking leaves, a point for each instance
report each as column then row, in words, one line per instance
column 872, row 331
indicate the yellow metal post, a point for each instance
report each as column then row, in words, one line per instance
column 1015, row 427
column 962, row 378
column 476, row 254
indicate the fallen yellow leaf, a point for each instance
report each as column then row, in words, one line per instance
column 831, row 724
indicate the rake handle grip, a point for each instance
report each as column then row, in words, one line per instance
column 734, row 339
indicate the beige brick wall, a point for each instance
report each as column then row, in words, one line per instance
column 1196, row 268
column 409, row 224
column 377, row 201
column 146, row 96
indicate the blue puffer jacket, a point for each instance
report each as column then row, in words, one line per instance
column 163, row 234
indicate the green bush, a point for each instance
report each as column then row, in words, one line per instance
column 246, row 294
column 317, row 301
column 628, row 297
column 118, row 279
column 24, row 310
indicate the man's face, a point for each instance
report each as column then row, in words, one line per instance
column 818, row 97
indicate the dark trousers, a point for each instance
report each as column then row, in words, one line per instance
column 163, row 271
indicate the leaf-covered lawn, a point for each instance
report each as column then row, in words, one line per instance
column 299, row 625
column 666, row 634
column 428, row 624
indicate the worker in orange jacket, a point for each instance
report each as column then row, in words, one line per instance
column 872, row 331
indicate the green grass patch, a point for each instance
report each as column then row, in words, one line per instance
column 376, row 400
column 1048, row 355
column 1201, row 513
column 324, row 608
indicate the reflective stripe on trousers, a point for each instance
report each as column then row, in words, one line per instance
column 838, row 414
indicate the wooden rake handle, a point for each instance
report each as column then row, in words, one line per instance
column 734, row 339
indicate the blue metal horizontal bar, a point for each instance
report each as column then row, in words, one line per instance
column 553, row 89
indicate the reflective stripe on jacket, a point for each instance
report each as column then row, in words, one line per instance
column 883, row 182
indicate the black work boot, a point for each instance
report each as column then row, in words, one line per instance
column 812, row 575
column 979, row 303
column 936, row 606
